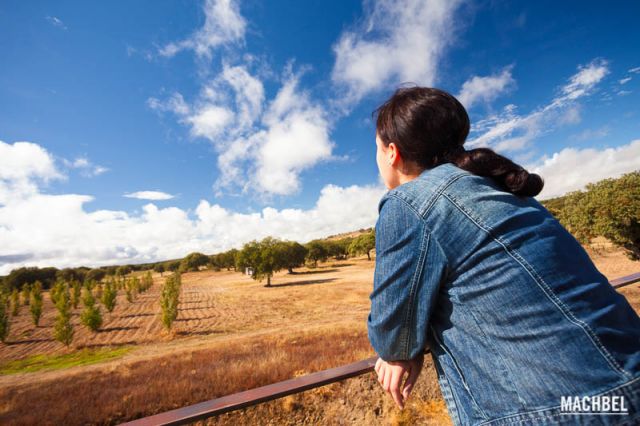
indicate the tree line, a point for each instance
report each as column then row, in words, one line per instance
column 311, row 252
column 609, row 208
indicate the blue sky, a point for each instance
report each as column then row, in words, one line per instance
column 138, row 131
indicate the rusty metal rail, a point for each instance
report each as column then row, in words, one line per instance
column 273, row 391
column 626, row 280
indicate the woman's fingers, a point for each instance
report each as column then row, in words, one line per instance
column 390, row 377
column 394, row 385
column 414, row 372
column 386, row 381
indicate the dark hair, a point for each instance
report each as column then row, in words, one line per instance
column 429, row 126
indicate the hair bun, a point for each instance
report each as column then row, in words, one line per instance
column 521, row 182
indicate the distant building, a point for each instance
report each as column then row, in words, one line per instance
column 248, row 271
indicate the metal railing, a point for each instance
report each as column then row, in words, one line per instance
column 273, row 391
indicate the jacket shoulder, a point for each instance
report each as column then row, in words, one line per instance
column 421, row 193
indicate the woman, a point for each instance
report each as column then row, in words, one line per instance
column 519, row 321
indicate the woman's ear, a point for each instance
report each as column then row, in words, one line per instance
column 393, row 155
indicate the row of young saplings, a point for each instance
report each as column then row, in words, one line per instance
column 67, row 296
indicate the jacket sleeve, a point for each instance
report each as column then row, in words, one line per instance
column 410, row 265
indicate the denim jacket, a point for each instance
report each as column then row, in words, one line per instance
column 514, row 312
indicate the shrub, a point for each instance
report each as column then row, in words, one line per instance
column 15, row 301
column 63, row 330
column 4, row 316
column 26, row 291
column 265, row 257
column 131, row 288
column 363, row 244
column 58, row 288
column 193, row 262
column 109, row 295
column 36, row 302
column 91, row 316
column 75, row 295
column 146, row 282
column 169, row 299
column 316, row 251
column 609, row 208
column 159, row 267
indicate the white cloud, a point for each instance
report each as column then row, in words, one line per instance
column 589, row 134
column 624, row 80
column 584, row 80
column 228, row 105
column 86, row 167
column 175, row 104
column 401, row 41
column 249, row 94
column 623, row 92
column 261, row 146
column 487, row 88
column 98, row 170
column 210, row 121
column 80, row 162
column 510, row 131
column 338, row 209
column 39, row 229
column 223, row 25
column 56, row 22
column 26, row 161
column 296, row 138
column 507, row 130
column 571, row 169
column 23, row 166
column 149, row 195
column 570, row 115
column 635, row 70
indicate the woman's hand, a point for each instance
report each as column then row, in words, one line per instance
column 390, row 376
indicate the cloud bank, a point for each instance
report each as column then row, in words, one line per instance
column 40, row 229
column 571, row 169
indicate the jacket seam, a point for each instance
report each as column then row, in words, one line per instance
column 440, row 191
column 400, row 194
column 421, row 217
column 562, row 307
column 424, row 244
column 453, row 408
column 462, row 378
column 454, row 398
column 446, row 388
column 417, row 273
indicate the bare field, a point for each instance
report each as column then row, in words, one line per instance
column 232, row 334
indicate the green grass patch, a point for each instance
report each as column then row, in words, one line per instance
column 58, row 362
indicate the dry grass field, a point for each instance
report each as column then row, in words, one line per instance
column 231, row 334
